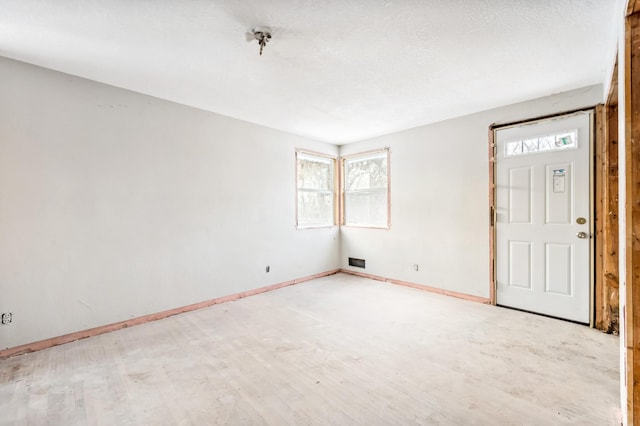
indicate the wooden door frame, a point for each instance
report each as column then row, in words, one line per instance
column 492, row 199
column 629, row 117
column 607, row 296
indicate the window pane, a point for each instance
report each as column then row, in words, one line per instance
column 366, row 208
column 554, row 142
column 366, row 196
column 315, row 174
column 315, row 183
column 546, row 144
column 529, row 145
column 513, row 148
column 369, row 172
column 315, row 208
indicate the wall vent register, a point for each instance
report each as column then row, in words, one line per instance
column 358, row 263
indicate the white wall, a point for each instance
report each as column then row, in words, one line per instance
column 440, row 198
column 115, row 205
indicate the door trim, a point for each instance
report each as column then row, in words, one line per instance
column 493, row 128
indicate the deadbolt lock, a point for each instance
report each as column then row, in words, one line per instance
column 581, row 221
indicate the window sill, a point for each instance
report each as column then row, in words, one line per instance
column 316, row 227
column 384, row 228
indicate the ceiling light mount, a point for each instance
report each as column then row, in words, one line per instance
column 262, row 35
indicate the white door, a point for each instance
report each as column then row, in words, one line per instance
column 543, row 217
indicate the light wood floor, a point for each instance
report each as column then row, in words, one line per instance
column 337, row 350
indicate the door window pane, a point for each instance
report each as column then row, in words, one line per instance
column 553, row 142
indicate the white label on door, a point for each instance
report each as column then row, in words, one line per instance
column 558, row 180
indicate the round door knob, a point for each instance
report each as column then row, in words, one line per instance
column 582, row 235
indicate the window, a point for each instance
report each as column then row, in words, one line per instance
column 554, row 142
column 316, row 194
column 366, row 190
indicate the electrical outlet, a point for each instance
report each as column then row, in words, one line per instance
column 416, row 267
column 268, row 268
column 7, row 318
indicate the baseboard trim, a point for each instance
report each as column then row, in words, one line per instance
column 78, row 335
column 430, row 289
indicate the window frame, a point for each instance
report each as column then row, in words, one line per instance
column 334, row 188
column 343, row 191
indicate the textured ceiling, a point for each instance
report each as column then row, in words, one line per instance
column 335, row 70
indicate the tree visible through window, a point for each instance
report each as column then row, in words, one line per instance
column 366, row 190
column 316, row 195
